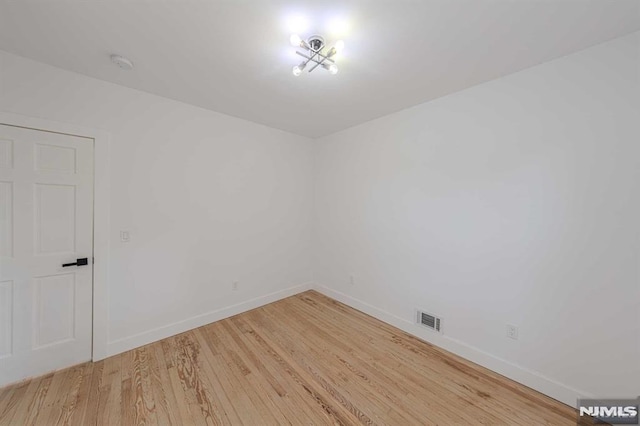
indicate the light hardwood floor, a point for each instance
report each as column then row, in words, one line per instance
column 304, row 360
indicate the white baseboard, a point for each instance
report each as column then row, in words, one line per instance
column 131, row 342
column 532, row 379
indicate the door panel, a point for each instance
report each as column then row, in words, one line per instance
column 54, row 301
column 6, row 318
column 46, row 220
column 6, row 219
column 55, row 229
column 55, row 158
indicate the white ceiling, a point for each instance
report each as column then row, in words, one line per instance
column 234, row 56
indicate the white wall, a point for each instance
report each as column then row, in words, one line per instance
column 515, row 201
column 208, row 199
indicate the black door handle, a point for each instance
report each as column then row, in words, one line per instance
column 78, row 262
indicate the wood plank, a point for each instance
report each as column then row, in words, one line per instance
column 185, row 353
column 142, row 394
column 109, row 393
column 90, row 397
column 56, row 396
column 277, row 386
column 12, row 403
column 76, row 377
column 306, row 385
column 248, row 401
column 33, row 400
column 82, row 399
column 168, row 412
column 174, row 381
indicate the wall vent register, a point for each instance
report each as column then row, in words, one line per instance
column 430, row 321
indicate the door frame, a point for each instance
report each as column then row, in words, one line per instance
column 101, row 204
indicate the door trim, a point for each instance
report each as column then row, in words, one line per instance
column 101, row 204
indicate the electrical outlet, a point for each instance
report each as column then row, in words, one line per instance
column 512, row 332
column 234, row 286
column 125, row 237
column 352, row 280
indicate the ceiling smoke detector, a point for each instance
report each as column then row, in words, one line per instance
column 314, row 52
column 122, row 62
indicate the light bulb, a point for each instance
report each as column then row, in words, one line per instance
column 295, row 40
column 333, row 69
column 339, row 46
column 296, row 71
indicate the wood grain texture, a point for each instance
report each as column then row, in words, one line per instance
column 306, row 359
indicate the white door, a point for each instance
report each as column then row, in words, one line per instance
column 46, row 220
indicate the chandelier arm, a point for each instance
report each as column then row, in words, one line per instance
column 316, row 65
column 303, row 55
column 308, row 58
column 312, row 57
column 326, row 58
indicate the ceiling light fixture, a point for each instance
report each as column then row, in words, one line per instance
column 314, row 52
